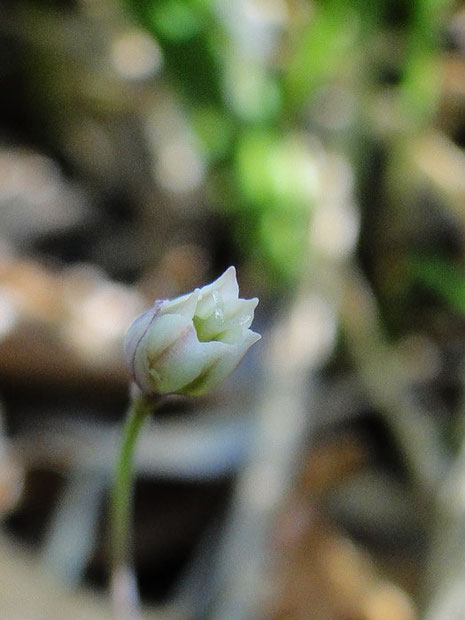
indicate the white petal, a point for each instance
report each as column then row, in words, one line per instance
column 165, row 330
column 133, row 338
column 178, row 370
column 224, row 364
column 162, row 332
column 174, row 355
column 231, row 325
column 218, row 295
column 185, row 305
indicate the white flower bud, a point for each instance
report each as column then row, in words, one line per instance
column 190, row 344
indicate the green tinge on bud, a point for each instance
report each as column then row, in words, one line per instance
column 190, row 344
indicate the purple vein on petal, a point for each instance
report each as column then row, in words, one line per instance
column 156, row 311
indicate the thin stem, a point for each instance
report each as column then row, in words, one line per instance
column 121, row 499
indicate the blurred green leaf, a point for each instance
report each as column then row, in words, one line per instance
column 320, row 48
column 278, row 178
column 275, row 171
column 175, row 20
column 421, row 85
column 214, row 129
column 443, row 277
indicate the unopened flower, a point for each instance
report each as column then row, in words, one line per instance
column 190, row 344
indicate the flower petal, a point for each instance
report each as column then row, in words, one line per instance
column 224, row 364
column 228, row 327
column 176, row 370
column 135, row 334
column 218, row 295
column 185, row 305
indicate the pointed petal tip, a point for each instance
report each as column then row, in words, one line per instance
column 184, row 305
column 228, row 276
column 253, row 337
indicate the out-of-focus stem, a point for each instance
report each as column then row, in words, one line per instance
column 388, row 387
column 444, row 583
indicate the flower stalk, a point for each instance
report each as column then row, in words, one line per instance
column 122, row 493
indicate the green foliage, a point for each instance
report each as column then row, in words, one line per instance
column 320, row 49
column 277, row 178
column 443, row 277
column 175, row 20
column 247, row 110
column 235, row 108
column 421, row 81
column 214, row 129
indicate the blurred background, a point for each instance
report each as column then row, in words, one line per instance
column 318, row 145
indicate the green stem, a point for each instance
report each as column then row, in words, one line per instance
column 121, row 499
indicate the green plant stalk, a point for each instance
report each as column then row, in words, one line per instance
column 122, row 492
